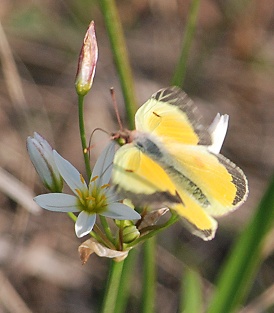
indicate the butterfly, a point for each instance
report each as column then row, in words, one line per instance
column 172, row 160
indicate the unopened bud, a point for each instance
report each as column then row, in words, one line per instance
column 130, row 233
column 41, row 155
column 87, row 62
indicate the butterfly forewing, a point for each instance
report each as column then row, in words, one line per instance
column 171, row 115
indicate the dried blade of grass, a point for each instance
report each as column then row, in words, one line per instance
column 10, row 298
column 18, row 192
column 261, row 303
column 12, row 78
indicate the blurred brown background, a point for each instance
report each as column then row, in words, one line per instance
column 230, row 70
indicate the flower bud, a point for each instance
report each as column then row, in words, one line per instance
column 87, row 62
column 41, row 155
column 130, row 233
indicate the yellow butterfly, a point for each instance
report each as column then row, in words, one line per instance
column 172, row 160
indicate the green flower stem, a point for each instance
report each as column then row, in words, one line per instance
column 72, row 216
column 180, row 72
column 83, row 134
column 125, row 282
column 149, row 279
column 120, row 240
column 119, row 50
column 113, row 287
column 237, row 275
column 106, row 228
column 102, row 238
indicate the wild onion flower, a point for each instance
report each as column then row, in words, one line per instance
column 87, row 62
column 41, row 155
column 95, row 198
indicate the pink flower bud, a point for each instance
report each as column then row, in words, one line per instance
column 87, row 62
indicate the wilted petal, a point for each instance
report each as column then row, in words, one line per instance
column 218, row 130
column 84, row 224
column 69, row 173
column 58, row 202
column 121, row 211
column 152, row 217
column 92, row 245
column 104, row 164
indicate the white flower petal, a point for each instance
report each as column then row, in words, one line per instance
column 41, row 155
column 47, row 149
column 218, row 130
column 104, row 164
column 39, row 162
column 121, row 211
column 84, row 224
column 58, row 202
column 111, row 195
column 69, row 173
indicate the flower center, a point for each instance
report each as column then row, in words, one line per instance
column 93, row 201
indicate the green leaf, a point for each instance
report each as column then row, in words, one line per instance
column 237, row 275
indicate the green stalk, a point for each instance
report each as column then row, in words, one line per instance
column 120, row 55
column 83, row 134
column 112, row 288
column 238, row 273
column 125, row 282
column 180, row 72
column 191, row 292
column 149, row 278
column 106, row 228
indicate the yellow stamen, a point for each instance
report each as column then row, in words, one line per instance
column 94, row 178
column 105, row 186
column 82, row 179
column 79, row 193
column 90, row 198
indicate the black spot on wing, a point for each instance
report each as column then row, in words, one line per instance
column 176, row 96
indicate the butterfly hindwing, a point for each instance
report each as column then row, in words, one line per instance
column 142, row 180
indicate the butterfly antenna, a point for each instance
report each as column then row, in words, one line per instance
column 112, row 92
column 90, row 138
